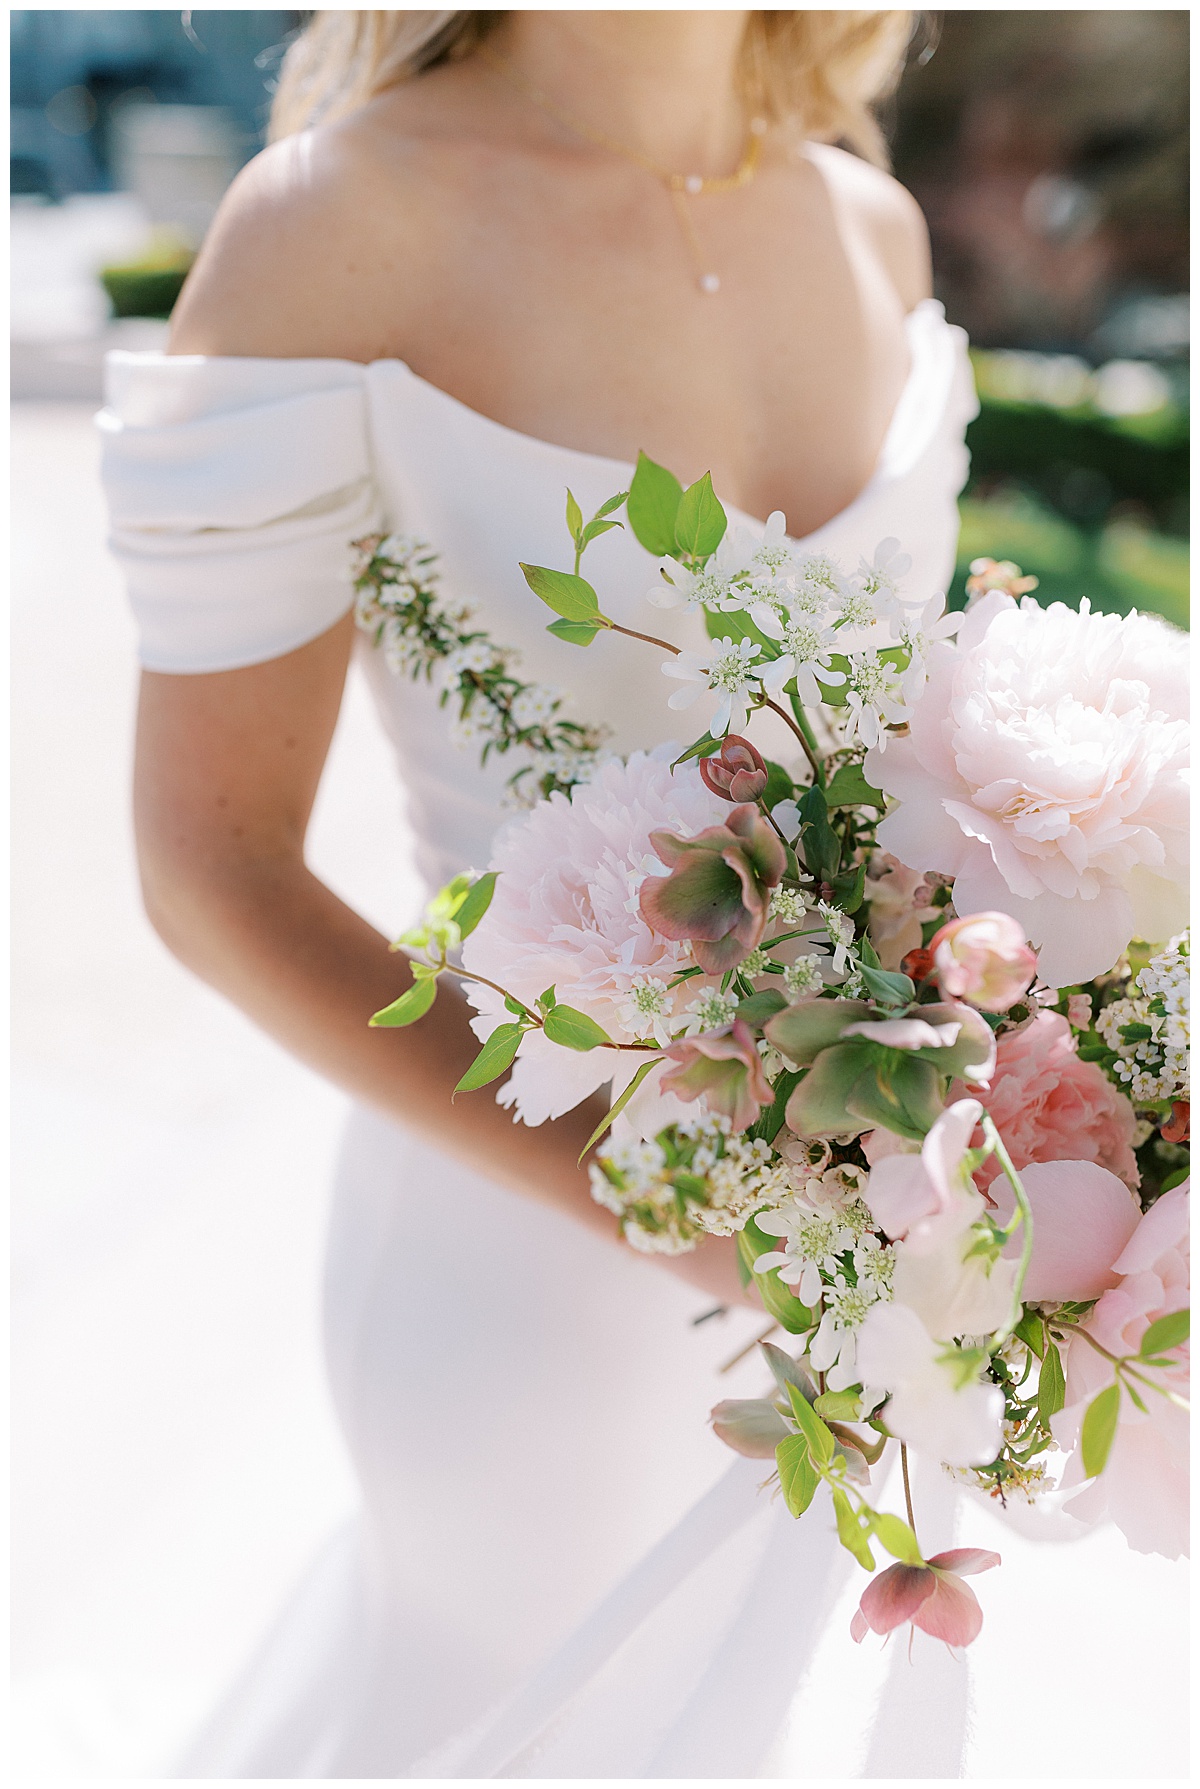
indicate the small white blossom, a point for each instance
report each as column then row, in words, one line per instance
column 807, row 647
column 873, row 698
column 534, row 706
column 646, row 1010
column 1150, row 1030
column 727, row 670
column 803, row 976
column 711, row 1012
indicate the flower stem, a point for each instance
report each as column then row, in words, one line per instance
column 802, row 722
column 908, row 1503
column 650, row 639
column 1026, row 1211
column 809, row 749
column 535, row 1019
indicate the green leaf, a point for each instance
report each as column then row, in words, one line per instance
column 820, row 1440
column 1099, row 1430
column 619, row 1104
column 412, row 1005
column 848, row 888
column 902, row 1092
column 850, row 1530
column 1052, row 1385
column 838, row 1406
column 699, row 521
column 594, row 530
column 820, row 844
column 798, row 1477
column 496, row 1055
column 756, row 1009
column 780, row 786
column 849, row 788
column 897, row 1537
column 704, row 747
column 479, row 899
column 1032, row 1331
column 889, row 988
column 610, row 504
column 867, row 952
column 1167, row 1332
column 574, row 517
column 768, row 1124
column 564, row 1025
column 569, row 596
column 548, row 999
column 652, row 505
column 575, row 633
column 777, row 1301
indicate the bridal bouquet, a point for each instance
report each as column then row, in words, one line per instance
column 900, row 1015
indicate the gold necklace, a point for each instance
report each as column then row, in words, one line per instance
column 680, row 187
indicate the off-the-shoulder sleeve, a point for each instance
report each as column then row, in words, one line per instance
column 235, row 488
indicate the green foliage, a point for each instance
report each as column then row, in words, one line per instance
column 819, row 844
column 821, row 1442
column 564, row 1025
column 570, row 596
column 853, row 1528
column 412, row 1005
column 897, row 1537
column 798, row 1477
column 496, row 1055
column 652, row 506
column 778, row 1301
column 699, row 521
column 838, row 1406
column 849, row 788
column 1099, row 1430
column 1052, row 1385
column 619, row 1105
column 780, row 786
column 1167, row 1332
column 888, row 987
column 475, row 903
column 575, row 633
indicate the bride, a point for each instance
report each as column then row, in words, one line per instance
column 488, row 256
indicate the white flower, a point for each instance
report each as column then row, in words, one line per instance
column 646, row 1010
column 787, row 904
column 711, row 1012
column 834, row 1348
column 1045, row 769
column 937, row 1403
column 873, row 698
column 681, row 588
column 727, row 670
column 803, row 976
column 807, row 646
column 917, row 634
column 880, row 579
column 1150, row 1031
column 840, row 928
column 534, row 706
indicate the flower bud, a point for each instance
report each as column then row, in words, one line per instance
column 737, row 772
column 984, row 959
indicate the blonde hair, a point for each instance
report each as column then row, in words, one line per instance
column 824, row 70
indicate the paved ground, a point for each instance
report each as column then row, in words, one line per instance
column 176, row 1459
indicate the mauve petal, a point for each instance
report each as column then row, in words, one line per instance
column 951, row 1613
column 858, row 1626
column 896, row 1595
column 965, row 1560
column 1162, row 1228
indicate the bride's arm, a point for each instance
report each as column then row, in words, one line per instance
column 226, row 774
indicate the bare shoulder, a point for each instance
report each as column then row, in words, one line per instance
column 885, row 212
column 297, row 240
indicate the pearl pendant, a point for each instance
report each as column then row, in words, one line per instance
column 710, row 282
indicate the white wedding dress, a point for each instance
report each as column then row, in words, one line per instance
column 558, row 1570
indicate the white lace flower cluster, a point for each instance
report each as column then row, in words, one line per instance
column 849, row 639
column 398, row 604
column 694, row 1179
column 833, row 1259
column 1150, row 1031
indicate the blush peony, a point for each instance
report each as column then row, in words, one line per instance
column 565, row 915
column 1144, row 1486
column 1045, row 771
column 1049, row 1106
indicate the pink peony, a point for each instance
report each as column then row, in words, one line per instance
column 724, row 1070
column 984, row 960
column 1045, row 771
column 1144, row 1486
column 565, row 915
column 1051, row 1107
column 932, row 1596
column 1082, row 1218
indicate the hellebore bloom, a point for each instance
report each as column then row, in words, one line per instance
column 718, row 892
column 932, row 1596
column 983, row 959
column 723, row 1068
column 737, row 772
column 750, row 1426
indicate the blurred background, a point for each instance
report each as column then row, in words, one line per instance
column 176, row 1461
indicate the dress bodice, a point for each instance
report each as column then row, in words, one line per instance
column 236, row 486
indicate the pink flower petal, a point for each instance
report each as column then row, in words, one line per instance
column 895, row 1596
column 965, row 1560
column 951, row 1613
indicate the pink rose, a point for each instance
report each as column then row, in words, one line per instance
column 1144, row 1486
column 983, row 959
column 723, row 1069
column 1050, row 1107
